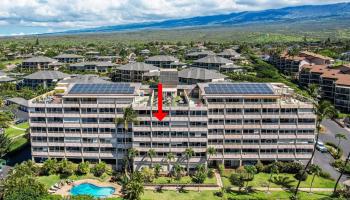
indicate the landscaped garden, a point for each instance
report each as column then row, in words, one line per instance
column 210, row 195
column 276, row 175
column 17, row 135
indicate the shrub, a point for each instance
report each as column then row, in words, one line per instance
column 221, row 169
column 301, row 175
column 289, row 167
column 82, row 197
column 338, row 163
column 211, row 173
column 326, row 175
column 237, row 179
column 49, row 167
column 83, row 168
column 99, row 169
column 199, row 177
column 66, row 168
column 148, row 174
column 260, row 167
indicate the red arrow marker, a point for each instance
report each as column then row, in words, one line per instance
column 160, row 114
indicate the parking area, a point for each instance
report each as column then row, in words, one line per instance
column 324, row 159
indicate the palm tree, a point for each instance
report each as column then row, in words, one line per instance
column 169, row 157
column 134, row 188
column 340, row 137
column 177, row 170
column 273, row 170
column 210, row 152
column 132, row 153
column 342, row 170
column 315, row 170
column 151, row 153
column 323, row 110
column 157, row 169
column 129, row 117
column 188, row 153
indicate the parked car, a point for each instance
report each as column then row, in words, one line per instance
column 19, row 121
column 321, row 147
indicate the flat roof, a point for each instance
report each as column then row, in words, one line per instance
column 102, row 88
column 239, row 88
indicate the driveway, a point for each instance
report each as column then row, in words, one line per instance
column 333, row 128
column 324, row 159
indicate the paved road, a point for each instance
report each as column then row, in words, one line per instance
column 323, row 159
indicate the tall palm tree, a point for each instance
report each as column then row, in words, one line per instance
column 340, row 137
column 132, row 153
column 273, row 170
column 169, row 157
column 315, row 170
column 129, row 117
column 188, row 153
column 342, row 170
column 323, row 110
column 210, row 152
column 151, row 154
column 177, row 170
column 134, row 188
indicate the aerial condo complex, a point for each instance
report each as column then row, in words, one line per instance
column 174, row 100
column 244, row 122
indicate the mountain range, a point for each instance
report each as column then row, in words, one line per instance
column 308, row 14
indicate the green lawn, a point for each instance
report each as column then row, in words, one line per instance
column 209, row 195
column 183, row 180
column 49, row 181
column 20, row 141
column 261, row 180
column 12, row 132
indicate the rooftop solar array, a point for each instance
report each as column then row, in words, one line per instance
column 239, row 88
column 111, row 88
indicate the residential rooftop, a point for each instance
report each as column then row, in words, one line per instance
column 47, row 75
column 200, row 73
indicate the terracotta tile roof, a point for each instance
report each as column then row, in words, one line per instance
column 343, row 79
column 311, row 54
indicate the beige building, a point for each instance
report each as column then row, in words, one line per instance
column 244, row 122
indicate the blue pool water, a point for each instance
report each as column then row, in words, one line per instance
column 92, row 190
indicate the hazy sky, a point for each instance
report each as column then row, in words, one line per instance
column 18, row 17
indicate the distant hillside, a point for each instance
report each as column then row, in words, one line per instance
column 336, row 15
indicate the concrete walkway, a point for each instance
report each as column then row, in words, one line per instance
column 15, row 127
column 218, row 179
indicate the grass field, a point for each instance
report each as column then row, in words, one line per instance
column 183, row 180
column 18, row 141
column 209, row 195
column 261, row 180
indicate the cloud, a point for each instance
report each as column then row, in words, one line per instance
column 74, row 14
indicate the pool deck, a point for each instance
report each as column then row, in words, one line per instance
column 65, row 190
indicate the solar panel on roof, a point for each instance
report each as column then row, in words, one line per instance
column 240, row 88
column 116, row 88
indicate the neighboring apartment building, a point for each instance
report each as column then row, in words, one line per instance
column 69, row 58
column 291, row 65
column 334, row 83
column 230, row 54
column 195, row 75
column 199, row 54
column 212, row 62
column 38, row 63
column 133, row 72
column 43, row 78
column 244, row 122
column 4, row 78
column 92, row 66
column 162, row 61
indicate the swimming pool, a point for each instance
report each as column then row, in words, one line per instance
column 92, row 190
